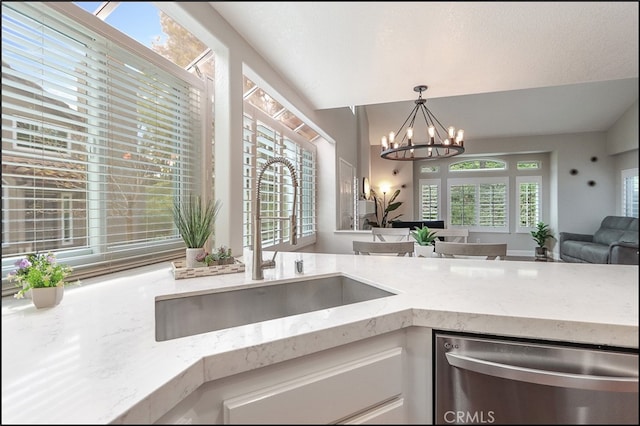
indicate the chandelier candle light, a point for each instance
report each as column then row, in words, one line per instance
column 440, row 142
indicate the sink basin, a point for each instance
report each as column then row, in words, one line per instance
column 189, row 315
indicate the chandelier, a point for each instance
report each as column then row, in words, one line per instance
column 437, row 141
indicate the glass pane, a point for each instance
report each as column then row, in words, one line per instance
column 146, row 24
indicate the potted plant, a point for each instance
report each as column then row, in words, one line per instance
column 425, row 239
column 540, row 236
column 382, row 206
column 194, row 219
column 40, row 273
column 222, row 256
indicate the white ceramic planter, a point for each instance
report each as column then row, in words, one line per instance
column 47, row 297
column 192, row 253
column 424, row 251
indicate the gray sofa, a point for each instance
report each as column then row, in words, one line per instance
column 616, row 241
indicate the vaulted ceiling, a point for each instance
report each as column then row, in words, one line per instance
column 494, row 68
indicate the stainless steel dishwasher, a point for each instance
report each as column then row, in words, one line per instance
column 493, row 380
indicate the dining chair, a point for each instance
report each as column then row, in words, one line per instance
column 391, row 234
column 399, row 248
column 487, row 250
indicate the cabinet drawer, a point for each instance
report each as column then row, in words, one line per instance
column 390, row 413
column 322, row 397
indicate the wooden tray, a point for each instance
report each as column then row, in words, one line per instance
column 180, row 271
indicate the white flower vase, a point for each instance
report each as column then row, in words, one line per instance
column 424, row 251
column 47, row 297
column 192, row 253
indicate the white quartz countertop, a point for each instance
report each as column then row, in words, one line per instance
column 94, row 358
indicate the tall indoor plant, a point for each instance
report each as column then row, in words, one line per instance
column 194, row 219
column 381, row 206
column 540, row 235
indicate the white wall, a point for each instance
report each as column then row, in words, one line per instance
column 623, row 135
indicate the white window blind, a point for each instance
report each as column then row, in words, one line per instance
column 263, row 139
column 97, row 140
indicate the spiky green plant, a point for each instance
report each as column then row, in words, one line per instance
column 194, row 219
column 424, row 236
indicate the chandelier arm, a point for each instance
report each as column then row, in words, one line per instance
column 434, row 119
column 413, row 113
column 427, row 114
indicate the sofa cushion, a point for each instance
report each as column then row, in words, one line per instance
column 587, row 252
column 616, row 228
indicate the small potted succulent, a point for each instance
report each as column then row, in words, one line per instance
column 541, row 234
column 221, row 256
column 425, row 241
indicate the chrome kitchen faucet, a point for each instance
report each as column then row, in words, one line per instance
column 258, row 263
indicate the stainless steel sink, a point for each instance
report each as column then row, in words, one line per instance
column 189, row 315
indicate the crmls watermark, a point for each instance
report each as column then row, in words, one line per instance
column 462, row 417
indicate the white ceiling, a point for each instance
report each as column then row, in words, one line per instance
column 495, row 69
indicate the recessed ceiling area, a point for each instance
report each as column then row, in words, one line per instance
column 496, row 69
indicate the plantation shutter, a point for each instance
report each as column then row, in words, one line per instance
column 480, row 206
column 492, row 205
column 97, row 140
column 630, row 193
column 529, row 203
column 429, row 201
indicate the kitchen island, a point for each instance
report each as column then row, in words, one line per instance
column 95, row 359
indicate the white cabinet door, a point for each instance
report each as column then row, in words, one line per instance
column 326, row 396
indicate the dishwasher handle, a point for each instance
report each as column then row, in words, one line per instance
column 543, row 377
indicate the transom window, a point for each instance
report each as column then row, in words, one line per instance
column 479, row 164
column 528, row 165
